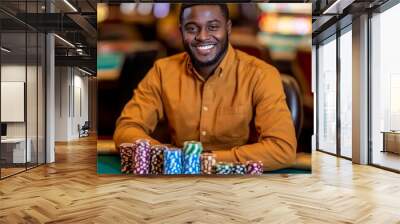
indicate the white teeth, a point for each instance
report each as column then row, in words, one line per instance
column 206, row 47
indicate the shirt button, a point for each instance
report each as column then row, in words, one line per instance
column 205, row 108
column 204, row 133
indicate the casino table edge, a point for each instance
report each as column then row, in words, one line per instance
column 109, row 165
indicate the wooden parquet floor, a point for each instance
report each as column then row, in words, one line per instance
column 70, row 191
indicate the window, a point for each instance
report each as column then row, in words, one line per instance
column 346, row 94
column 385, row 89
column 22, row 77
column 327, row 96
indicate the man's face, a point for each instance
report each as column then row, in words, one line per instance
column 205, row 34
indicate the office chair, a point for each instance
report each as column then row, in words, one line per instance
column 294, row 101
column 84, row 129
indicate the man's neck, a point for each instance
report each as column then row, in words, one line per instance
column 207, row 71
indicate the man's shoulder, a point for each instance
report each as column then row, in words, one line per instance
column 171, row 61
column 257, row 65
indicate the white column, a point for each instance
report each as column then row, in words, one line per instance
column 360, row 90
column 313, row 90
column 50, row 99
column 50, row 92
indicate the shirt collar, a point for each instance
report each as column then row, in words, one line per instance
column 228, row 58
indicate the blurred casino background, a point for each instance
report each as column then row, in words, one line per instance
column 131, row 36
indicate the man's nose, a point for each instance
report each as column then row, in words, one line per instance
column 202, row 35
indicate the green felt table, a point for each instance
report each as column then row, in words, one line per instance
column 110, row 164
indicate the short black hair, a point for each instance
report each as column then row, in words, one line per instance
column 223, row 7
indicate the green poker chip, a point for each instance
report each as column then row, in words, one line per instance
column 192, row 147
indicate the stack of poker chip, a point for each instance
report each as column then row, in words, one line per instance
column 207, row 163
column 126, row 153
column 223, row 168
column 192, row 147
column 141, row 159
column 172, row 161
column 254, row 167
column 156, row 159
column 191, row 157
column 191, row 163
column 239, row 169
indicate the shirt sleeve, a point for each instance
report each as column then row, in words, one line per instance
column 141, row 114
column 277, row 143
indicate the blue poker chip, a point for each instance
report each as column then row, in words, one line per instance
column 172, row 161
column 191, row 164
column 223, row 168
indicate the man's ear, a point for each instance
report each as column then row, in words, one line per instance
column 180, row 29
column 229, row 26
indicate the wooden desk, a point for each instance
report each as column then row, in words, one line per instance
column 13, row 150
column 391, row 141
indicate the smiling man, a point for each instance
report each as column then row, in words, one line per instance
column 230, row 101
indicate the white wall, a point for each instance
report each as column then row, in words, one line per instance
column 17, row 73
column 33, row 127
column 71, row 94
column 80, row 101
column 13, row 73
column 62, row 80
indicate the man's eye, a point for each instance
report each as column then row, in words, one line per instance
column 213, row 28
column 191, row 29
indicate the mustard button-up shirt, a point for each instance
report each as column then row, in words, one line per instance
column 239, row 112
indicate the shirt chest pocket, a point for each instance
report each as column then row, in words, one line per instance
column 232, row 122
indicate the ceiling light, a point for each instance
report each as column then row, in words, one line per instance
column 84, row 71
column 102, row 12
column 161, row 10
column 70, row 5
column 65, row 41
column 127, row 8
column 5, row 49
column 337, row 7
column 145, row 8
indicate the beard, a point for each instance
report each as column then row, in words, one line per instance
column 213, row 61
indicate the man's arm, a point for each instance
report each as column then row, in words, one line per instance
column 142, row 113
column 277, row 143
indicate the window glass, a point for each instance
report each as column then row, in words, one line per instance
column 346, row 94
column 327, row 97
column 385, row 89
